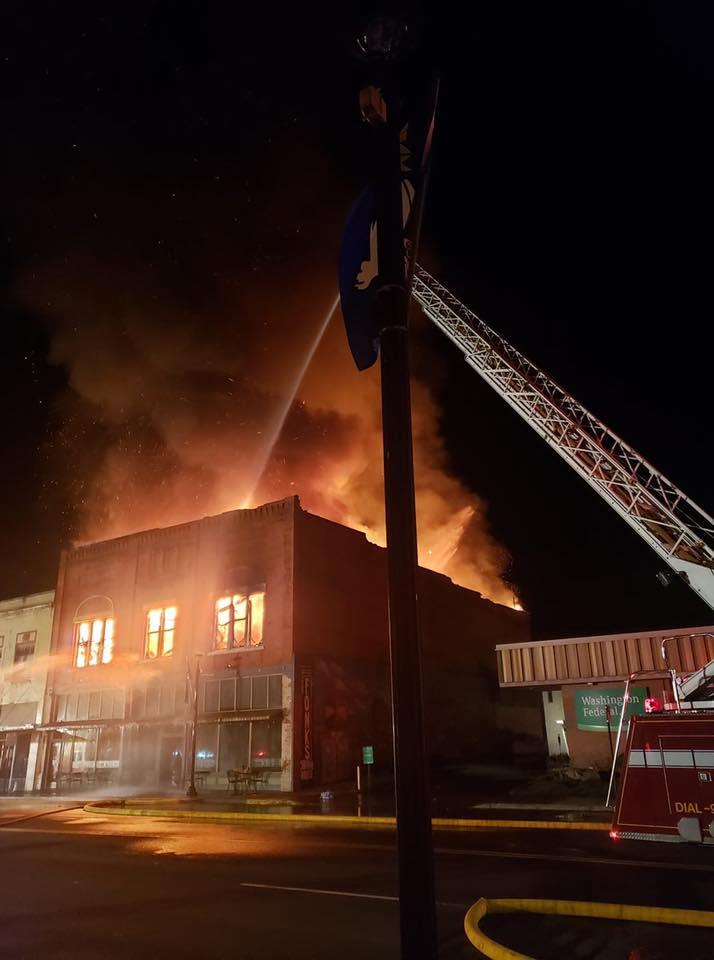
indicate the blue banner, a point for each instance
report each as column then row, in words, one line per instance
column 358, row 279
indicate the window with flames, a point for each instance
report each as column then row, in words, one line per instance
column 94, row 642
column 160, row 632
column 239, row 621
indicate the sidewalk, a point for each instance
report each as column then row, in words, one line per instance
column 473, row 798
column 343, row 803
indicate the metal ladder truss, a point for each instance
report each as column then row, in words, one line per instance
column 672, row 524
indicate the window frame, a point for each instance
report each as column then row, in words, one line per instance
column 161, row 652
column 23, row 633
column 105, row 642
column 247, row 594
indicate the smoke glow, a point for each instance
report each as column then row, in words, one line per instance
column 170, row 417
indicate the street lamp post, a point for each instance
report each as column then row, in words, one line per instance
column 191, row 791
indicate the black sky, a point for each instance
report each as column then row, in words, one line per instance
column 183, row 148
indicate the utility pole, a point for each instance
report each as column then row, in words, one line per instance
column 381, row 100
column 191, row 791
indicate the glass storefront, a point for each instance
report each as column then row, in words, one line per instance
column 235, row 745
column 85, row 756
column 14, row 750
column 241, row 727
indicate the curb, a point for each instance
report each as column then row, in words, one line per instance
column 571, row 908
column 232, row 815
column 438, row 823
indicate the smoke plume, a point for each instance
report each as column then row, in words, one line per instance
column 181, row 321
column 170, row 417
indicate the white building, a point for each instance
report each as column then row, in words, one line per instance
column 25, row 634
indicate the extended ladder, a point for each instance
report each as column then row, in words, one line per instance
column 672, row 524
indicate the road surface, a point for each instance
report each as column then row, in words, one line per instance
column 75, row 885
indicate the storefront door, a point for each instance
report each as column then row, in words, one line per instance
column 7, row 755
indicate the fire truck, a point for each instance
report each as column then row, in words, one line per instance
column 665, row 781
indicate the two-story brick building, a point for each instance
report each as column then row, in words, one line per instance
column 288, row 614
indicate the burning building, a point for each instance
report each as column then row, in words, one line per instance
column 283, row 615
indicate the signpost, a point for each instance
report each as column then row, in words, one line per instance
column 368, row 760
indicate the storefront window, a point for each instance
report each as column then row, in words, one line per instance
column 207, row 747
column 84, row 748
column 265, row 747
column 109, row 747
column 234, row 747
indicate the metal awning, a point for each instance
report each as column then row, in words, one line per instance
column 549, row 663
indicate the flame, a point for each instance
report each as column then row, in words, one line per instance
column 344, row 481
column 160, row 431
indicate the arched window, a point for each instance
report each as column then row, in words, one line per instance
column 94, row 632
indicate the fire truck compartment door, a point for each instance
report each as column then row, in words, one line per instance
column 688, row 764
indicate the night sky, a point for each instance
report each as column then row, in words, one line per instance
column 161, row 159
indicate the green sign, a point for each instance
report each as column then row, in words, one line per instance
column 367, row 756
column 591, row 706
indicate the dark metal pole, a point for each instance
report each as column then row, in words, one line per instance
column 608, row 718
column 416, row 871
column 191, row 791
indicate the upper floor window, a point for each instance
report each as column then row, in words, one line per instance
column 93, row 642
column 239, row 621
column 160, row 632
column 25, row 646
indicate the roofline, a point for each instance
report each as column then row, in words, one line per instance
column 248, row 513
column 602, row 638
column 42, row 598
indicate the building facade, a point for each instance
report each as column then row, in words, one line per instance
column 581, row 681
column 282, row 616
column 25, row 632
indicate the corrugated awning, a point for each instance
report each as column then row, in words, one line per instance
column 599, row 659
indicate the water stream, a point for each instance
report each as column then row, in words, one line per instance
column 287, row 402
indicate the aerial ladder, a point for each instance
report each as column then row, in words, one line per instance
column 678, row 530
column 664, row 751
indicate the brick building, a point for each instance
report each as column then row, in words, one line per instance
column 288, row 614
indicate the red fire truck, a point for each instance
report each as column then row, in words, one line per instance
column 665, row 789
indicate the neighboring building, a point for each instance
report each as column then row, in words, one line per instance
column 289, row 614
column 581, row 677
column 25, row 631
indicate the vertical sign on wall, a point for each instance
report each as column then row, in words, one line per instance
column 306, row 762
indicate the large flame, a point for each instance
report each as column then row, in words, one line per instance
column 342, row 479
column 175, row 418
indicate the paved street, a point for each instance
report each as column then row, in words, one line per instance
column 79, row 885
